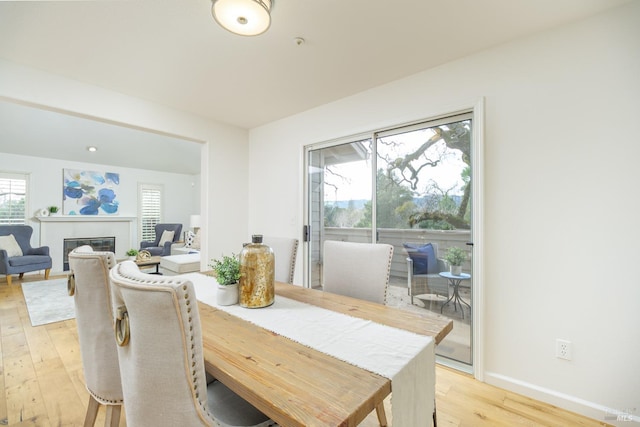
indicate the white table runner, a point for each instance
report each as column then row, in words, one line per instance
column 406, row 358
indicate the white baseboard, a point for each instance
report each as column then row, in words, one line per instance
column 614, row 416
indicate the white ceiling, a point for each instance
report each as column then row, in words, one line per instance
column 172, row 52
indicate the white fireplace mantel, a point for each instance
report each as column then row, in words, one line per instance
column 54, row 229
column 82, row 218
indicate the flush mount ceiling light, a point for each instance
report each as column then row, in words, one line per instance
column 243, row 17
column 92, row 149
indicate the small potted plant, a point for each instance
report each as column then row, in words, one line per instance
column 132, row 253
column 455, row 257
column 53, row 210
column 226, row 270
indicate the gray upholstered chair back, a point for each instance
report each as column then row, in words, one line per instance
column 285, row 251
column 22, row 233
column 161, row 362
column 89, row 283
column 359, row 270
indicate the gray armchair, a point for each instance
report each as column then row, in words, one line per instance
column 31, row 259
column 422, row 271
column 154, row 247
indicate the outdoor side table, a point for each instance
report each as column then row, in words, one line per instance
column 454, row 281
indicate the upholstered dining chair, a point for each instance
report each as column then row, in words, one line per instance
column 358, row 270
column 90, row 287
column 285, row 251
column 161, row 356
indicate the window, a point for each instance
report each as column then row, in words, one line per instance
column 150, row 210
column 13, row 198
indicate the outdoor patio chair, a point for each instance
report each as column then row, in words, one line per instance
column 423, row 266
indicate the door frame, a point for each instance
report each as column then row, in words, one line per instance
column 477, row 237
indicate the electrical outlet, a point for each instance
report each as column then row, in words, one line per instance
column 563, row 349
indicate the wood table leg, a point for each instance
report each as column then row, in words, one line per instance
column 382, row 417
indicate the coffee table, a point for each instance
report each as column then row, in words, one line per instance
column 154, row 260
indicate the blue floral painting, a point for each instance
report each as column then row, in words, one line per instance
column 90, row 193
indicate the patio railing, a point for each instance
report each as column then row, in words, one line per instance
column 396, row 237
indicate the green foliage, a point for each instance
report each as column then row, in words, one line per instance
column 335, row 216
column 132, row 252
column 226, row 269
column 395, row 204
column 53, row 209
column 12, row 210
column 455, row 256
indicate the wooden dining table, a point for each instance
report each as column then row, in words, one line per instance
column 296, row 385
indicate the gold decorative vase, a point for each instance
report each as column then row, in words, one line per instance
column 257, row 274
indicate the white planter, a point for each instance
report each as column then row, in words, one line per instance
column 456, row 270
column 227, row 294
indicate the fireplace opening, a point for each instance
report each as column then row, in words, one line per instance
column 101, row 244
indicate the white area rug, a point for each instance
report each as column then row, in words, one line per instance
column 48, row 301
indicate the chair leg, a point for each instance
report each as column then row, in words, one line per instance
column 435, row 419
column 46, row 273
column 113, row 416
column 92, row 412
column 9, row 279
column 21, row 276
column 382, row 417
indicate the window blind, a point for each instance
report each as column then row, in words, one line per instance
column 150, row 211
column 13, row 198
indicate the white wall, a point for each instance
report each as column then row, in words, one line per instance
column 224, row 165
column 45, row 188
column 561, row 174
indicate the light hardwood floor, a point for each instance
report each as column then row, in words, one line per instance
column 41, row 374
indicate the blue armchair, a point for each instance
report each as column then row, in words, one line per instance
column 154, row 248
column 32, row 259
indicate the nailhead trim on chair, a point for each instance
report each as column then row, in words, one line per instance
column 191, row 339
column 105, row 401
column 388, row 273
column 194, row 377
column 111, row 262
column 292, row 267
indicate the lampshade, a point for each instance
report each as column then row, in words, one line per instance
column 243, row 17
column 194, row 221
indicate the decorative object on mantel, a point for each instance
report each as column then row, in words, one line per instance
column 226, row 270
column 455, row 257
column 54, row 210
column 42, row 213
column 243, row 17
column 143, row 255
column 132, row 254
column 90, row 193
column 257, row 274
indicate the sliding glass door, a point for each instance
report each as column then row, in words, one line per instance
column 338, row 188
column 410, row 187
